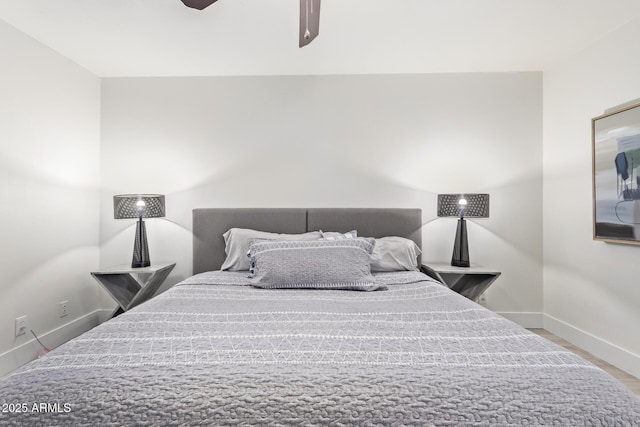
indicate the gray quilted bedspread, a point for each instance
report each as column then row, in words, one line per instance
column 212, row 351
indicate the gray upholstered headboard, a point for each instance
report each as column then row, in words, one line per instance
column 210, row 224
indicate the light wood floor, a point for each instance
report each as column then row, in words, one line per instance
column 630, row 381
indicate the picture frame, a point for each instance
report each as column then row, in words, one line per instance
column 616, row 175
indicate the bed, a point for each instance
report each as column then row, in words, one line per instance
column 214, row 350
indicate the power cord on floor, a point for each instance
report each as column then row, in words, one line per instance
column 45, row 350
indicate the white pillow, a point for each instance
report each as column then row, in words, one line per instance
column 236, row 242
column 394, row 253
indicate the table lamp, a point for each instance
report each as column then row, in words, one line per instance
column 461, row 206
column 139, row 206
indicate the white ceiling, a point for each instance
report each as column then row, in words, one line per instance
column 260, row 37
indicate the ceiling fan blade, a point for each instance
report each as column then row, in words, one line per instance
column 309, row 21
column 198, row 4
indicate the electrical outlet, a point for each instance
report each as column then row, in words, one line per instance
column 64, row 306
column 21, row 325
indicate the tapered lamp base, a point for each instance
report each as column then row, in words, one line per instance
column 140, row 247
column 460, row 256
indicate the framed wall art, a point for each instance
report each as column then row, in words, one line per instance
column 616, row 175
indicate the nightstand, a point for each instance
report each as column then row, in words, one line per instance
column 468, row 281
column 132, row 286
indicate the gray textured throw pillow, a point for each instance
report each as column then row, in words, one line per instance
column 323, row 264
column 236, row 242
column 335, row 235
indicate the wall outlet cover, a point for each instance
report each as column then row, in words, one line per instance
column 64, row 307
column 21, row 325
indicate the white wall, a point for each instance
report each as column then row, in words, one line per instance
column 333, row 141
column 591, row 289
column 49, row 196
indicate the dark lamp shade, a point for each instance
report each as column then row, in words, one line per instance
column 477, row 205
column 138, row 206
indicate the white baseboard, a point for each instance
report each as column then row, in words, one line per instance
column 526, row 320
column 25, row 353
column 104, row 315
column 610, row 353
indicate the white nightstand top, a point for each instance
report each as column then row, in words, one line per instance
column 126, row 268
column 442, row 267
